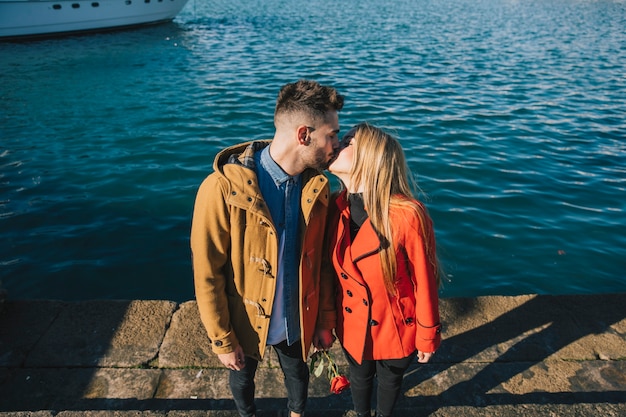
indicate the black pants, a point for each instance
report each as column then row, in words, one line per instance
column 296, row 380
column 389, row 374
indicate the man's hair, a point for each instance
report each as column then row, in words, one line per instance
column 308, row 97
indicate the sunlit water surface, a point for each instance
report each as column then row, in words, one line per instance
column 512, row 115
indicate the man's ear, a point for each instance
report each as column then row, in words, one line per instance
column 303, row 135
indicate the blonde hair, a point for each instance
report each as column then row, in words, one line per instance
column 380, row 169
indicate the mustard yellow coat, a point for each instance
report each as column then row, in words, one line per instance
column 235, row 255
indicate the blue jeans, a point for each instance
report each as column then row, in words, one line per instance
column 296, row 374
column 389, row 374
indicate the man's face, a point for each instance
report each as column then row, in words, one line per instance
column 324, row 142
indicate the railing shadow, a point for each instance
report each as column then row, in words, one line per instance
column 511, row 344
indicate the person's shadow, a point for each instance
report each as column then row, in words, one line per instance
column 509, row 345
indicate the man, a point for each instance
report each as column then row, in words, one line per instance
column 256, row 240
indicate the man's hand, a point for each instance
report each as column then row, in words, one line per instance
column 323, row 339
column 234, row 360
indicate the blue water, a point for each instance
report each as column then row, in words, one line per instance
column 512, row 115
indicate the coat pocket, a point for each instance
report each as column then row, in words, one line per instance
column 406, row 306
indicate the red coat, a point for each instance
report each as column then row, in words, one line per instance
column 371, row 324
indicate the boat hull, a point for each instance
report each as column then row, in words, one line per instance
column 20, row 18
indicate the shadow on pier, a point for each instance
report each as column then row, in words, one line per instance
column 522, row 355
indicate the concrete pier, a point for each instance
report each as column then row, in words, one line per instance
column 531, row 355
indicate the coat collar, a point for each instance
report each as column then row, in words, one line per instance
column 366, row 242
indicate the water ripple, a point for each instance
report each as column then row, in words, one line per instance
column 511, row 114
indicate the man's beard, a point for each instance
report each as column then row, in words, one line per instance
column 321, row 161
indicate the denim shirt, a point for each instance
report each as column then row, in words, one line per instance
column 282, row 196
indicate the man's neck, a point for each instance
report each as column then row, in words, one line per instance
column 287, row 159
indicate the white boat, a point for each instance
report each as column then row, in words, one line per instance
column 24, row 18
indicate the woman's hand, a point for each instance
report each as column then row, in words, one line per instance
column 423, row 357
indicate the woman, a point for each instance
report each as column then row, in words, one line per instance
column 382, row 248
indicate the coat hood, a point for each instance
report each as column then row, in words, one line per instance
column 240, row 154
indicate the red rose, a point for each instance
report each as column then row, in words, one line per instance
column 338, row 384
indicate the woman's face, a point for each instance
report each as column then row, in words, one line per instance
column 342, row 164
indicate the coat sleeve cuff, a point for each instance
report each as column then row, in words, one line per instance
column 429, row 338
column 327, row 320
column 224, row 344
